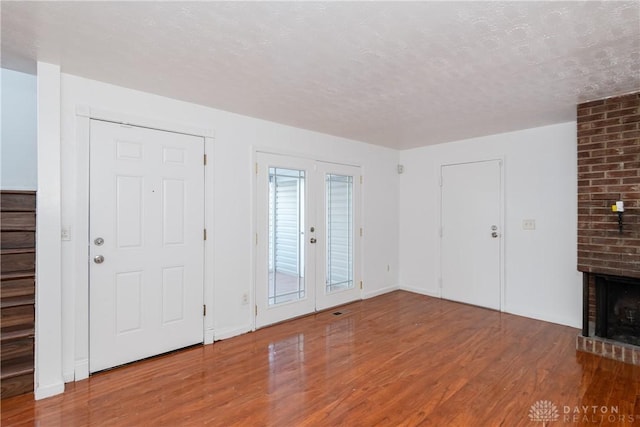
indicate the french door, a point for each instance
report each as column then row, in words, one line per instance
column 308, row 236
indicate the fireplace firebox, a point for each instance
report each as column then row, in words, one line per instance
column 618, row 308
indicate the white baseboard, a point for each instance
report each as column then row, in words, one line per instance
column 68, row 377
column 223, row 334
column 371, row 294
column 429, row 292
column 209, row 336
column 546, row 318
column 42, row 392
column 81, row 369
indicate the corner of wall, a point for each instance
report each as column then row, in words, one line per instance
column 378, row 292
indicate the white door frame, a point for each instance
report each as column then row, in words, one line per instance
column 254, row 220
column 84, row 114
column 501, row 161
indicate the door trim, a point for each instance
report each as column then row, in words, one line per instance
column 501, row 161
column 79, row 218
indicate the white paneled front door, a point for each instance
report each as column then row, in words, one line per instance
column 308, row 236
column 471, row 232
column 146, row 243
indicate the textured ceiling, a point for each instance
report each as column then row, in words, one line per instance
column 398, row 74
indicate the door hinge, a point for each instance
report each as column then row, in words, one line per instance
column 256, row 168
column 360, row 284
column 205, row 160
column 205, row 234
column 360, row 231
column 440, row 181
column 360, row 179
column 256, row 239
column 256, row 309
column 204, row 309
column 440, row 232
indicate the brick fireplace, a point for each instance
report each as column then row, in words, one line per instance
column 608, row 240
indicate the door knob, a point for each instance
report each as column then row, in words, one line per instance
column 494, row 234
column 312, row 240
column 98, row 259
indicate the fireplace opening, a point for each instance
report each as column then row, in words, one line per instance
column 618, row 309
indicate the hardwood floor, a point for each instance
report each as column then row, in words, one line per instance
column 398, row 359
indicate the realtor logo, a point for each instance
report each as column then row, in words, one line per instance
column 545, row 411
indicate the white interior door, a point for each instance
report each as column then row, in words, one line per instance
column 307, row 236
column 471, row 232
column 146, row 243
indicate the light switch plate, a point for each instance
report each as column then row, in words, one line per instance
column 528, row 224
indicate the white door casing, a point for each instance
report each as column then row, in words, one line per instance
column 471, row 233
column 146, row 203
column 328, row 190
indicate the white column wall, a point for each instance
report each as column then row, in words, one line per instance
column 48, row 345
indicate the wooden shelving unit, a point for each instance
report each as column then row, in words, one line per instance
column 17, row 291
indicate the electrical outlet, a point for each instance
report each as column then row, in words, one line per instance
column 528, row 224
column 245, row 299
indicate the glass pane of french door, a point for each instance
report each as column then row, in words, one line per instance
column 286, row 235
column 339, row 232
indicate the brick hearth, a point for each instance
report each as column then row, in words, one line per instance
column 615, row 350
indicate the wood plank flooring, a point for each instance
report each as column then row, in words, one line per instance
column 397, row 359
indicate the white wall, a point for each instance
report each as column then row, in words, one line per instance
column 236, row 138
column 541, row 280
column 18, row 143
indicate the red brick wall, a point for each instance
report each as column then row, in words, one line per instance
column 609, row 170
